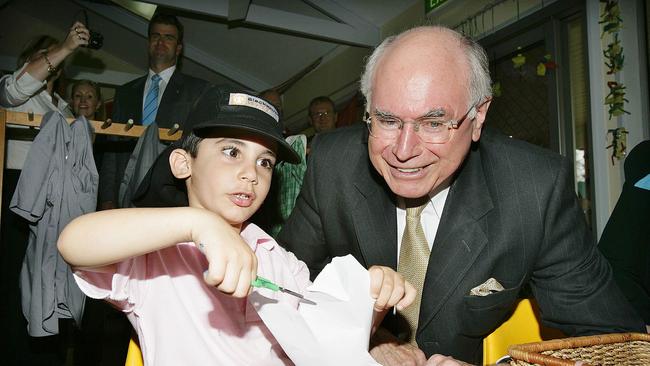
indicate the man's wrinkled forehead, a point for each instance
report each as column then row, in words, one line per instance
column 419, row 78
column 164, row 29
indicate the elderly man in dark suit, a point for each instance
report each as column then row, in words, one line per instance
column 495, row 216
column 164, row 95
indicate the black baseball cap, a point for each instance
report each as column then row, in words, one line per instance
column 218, row 108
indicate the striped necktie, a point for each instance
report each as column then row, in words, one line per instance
column 151, row 101
column 413, row 261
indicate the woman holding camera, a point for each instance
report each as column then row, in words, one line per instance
column 29, row 89
column 39, row 65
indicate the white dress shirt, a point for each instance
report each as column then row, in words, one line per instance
column 26, row 94
column 165, row 76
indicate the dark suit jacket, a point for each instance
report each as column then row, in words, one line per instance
column 626, row 239
column 180, row 94
column 511, row 214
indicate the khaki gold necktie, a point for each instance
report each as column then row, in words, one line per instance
column 413, row 259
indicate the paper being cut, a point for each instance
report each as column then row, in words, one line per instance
column 334, row 332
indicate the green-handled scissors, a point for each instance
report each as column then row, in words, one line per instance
column 263, row 282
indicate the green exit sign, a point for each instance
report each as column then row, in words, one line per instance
column 432, row 4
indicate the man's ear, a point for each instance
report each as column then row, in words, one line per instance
column 180, row 163
column 179, row 48
column 477, row 123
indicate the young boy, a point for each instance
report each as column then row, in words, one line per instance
column 182, row 274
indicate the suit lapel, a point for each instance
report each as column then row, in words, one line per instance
column 373, row 213
column 171, row 94
column 137, row 100
column 460, row 237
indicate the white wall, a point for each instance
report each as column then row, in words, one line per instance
column 608, row 178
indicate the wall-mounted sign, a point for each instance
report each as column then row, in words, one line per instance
column 432, row 4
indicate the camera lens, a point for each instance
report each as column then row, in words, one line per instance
column 96, row 40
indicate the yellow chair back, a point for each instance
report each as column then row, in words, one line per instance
column 522, row 327
column 134, row 356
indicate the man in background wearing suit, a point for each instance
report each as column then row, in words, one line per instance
column 164, row 95
column 499, row 215
column 322, row 115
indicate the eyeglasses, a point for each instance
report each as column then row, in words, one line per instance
column 433, row 129
column 319, row 114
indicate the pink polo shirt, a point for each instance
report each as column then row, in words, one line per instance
column 182, row 321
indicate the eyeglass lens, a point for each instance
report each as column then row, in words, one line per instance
column 432, row 130
column 320, row 114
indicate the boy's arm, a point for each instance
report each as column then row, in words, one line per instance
column 102, row 238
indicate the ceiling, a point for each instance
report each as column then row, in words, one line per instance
column 256, row 44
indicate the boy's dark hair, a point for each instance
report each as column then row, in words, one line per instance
column 190, row 143
column 168, row 19
column 35, row 45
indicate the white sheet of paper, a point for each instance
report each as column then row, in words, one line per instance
column 336, row 331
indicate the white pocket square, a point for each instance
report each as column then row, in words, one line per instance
column 486, row 288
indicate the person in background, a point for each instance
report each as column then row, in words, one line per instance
column 469, row 216
column 275, row 98
column 86, row 99
column 97, row 342
column 287, row 178
column 625, row 241
column 182, row 273
column 165, row 96
column 322, row 115
column 30, row 89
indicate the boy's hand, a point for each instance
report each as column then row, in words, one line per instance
column 389, row 289
column 232, row 263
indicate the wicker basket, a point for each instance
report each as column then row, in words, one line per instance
column 606, row 349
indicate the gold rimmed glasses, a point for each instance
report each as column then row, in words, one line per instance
column 432, row 128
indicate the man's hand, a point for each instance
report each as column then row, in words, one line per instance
column 440, row 360
column 389, row 289
column 386, row 349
